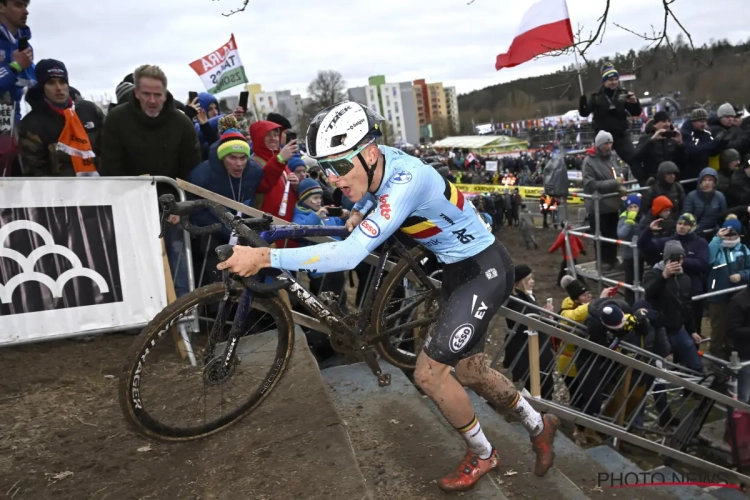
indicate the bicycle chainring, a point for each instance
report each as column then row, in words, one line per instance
column 215, row 374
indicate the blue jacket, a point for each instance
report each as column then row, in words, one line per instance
column 707, row 215
column 305, row 216
column 9, row 81
column 724, row 263
column 204, row 101
column 697, row 258
column 212, row 175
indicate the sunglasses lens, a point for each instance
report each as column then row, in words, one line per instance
column 339, row 167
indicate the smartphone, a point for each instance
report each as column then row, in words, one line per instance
column 192, row 96
column 290, row 136
column 244, row 97
column 335, row 211
column 670, row 133
column 550, row 301
column 23, row 43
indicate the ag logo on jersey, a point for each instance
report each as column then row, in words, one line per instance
column 402, row 177
column 461, row 336
column 370, row 228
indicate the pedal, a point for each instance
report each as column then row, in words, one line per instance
column 384, row 379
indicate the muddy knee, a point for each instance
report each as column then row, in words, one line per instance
column 429, row 375
column 471, row 371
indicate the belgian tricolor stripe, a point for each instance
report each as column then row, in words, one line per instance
column 453, row 195
column 419, row 227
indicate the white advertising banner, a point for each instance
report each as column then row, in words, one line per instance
column 78, row 255
column 490, row 166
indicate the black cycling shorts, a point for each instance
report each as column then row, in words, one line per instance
column 472, row 292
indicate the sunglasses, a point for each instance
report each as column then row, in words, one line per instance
column 343, row 165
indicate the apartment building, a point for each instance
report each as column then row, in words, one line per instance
column 451, row 106
column 280, row 101
column 395, row 102
column 437, row 106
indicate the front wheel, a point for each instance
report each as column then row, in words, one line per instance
column 405, row 309
column 170, row 398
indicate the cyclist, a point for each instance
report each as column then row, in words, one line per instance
column 405, row 194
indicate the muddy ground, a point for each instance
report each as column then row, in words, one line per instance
column 62, row 434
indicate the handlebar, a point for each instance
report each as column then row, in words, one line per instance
column 246, row 229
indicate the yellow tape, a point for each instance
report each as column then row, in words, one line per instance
column 526, row 192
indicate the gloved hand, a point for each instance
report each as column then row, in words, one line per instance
column 630, row 217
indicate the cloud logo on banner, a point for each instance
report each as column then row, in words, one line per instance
column 27, row 263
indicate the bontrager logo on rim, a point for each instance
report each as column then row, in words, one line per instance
column 370, row 228
column 460, row 337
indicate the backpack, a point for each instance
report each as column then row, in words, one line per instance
column 555, row 176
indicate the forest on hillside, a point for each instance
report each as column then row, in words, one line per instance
column 715, row 73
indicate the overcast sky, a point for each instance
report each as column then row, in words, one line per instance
column 284, row 44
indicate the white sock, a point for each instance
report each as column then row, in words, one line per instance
column 475, row 439
column 530, row 418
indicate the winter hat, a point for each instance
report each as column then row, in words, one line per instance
column 661, row 116
column 688, row 219
column 732, row 223
column 279, row 120
column 609, row 71
column 612, row 316
column 309, row 162
column 47, row 69
column 730, row 155
column 659, row 204
column 575, row 289
column 725, row 110
column 698, row 115
column 602, row 137
column 566, row 280
column 226, row 122
column 308, row 187
column 232, row 142
column 521, row 272
column 633, row 199
column 673, row 250
column 122, row 91
column 296, row 162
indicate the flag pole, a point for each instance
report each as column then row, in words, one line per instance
column 578, row 70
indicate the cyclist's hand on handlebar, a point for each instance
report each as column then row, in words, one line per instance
column 174, row 219
column 289, row 150
column 247, row 261
column 353, row 221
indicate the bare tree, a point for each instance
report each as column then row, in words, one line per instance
column 327, row 88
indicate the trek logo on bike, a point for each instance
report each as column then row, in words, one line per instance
column 385, row 207
column 461, row 337
column 370, row 228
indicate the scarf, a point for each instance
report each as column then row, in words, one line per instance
column 730, row 243
column 74, row 141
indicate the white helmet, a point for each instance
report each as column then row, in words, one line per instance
column 340, row 128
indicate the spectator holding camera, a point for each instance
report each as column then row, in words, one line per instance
column 660, row 143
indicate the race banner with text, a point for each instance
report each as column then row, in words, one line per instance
column 221, row 69
column 78, row 255
column 526, row 192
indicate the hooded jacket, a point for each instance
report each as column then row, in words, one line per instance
column 697, row 257
column 134, row 143
column 700, row 146
column 275, row 173
column 208, row 133
column 671, row 297
column 675, row 192
column 212, row 175
column 706, row 207
column 725, row 174
column 724, row 263
column 733, row 137
column 650, row 153
column 599, row 175
column 40, row 129
column 739, row 187
column 11, row 83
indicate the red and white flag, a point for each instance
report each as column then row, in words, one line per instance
column 545, row 27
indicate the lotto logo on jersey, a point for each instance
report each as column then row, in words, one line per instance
column 385, row 207
column 370, row 228
column 402, row 177
column 461, row 336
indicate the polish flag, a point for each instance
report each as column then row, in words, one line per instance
column 545, row 27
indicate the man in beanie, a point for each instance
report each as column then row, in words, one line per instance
column 659, row 143
column 666, row 185
column 725, row 129
column 668, row 290
column 17, row 71
column 602, row 174
column 700, row 144
column 60, row 136
column 611, row 106
column 729, row 163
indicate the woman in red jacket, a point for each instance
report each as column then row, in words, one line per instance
column 576, row 249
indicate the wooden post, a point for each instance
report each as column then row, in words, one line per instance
column 171, row 297
column 534, row 376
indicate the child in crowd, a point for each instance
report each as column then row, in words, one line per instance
column 627, row 228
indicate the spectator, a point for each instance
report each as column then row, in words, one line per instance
column 729, row 163
column 206, row 119
column 730, row 267
column 60, row 135
column 700, row 143
column 279, row 184
column 16, row 66
column 149, row 136
column 724, row 128
column 706, row 203
column 666, row 185
column 611, row 106
column 628, row 227
column 739, row 187
column 602, row 174
column 526, row 224
column 738, row 332
column 656, row 224
column 667, row 289
column 576, row 249
column 516, row 347
column 658, row 144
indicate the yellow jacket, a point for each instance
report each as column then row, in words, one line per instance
column 577, row 314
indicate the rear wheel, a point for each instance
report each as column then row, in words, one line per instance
column 166, row 397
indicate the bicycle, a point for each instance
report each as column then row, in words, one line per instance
column 361, row 334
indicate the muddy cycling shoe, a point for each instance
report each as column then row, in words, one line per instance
column 543, row 445
column 469, row 472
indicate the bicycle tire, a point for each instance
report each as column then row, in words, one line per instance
column 387, row 350
column 147, row 425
